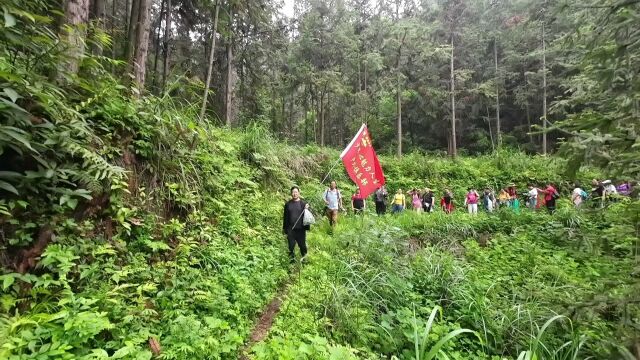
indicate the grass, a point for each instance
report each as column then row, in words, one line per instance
column 376, row 284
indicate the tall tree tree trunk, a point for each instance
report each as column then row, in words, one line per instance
column 228, row 103
column 544, row 92
column 114, row 16
column 306, row 117
column 132, row 30
column 526, row 104
column 315, row 121
column 322, row 118
column 398, row 90
column 498, row 130
column 493, row 147
column 98, row 11
column 76, row 16
column 399, row 113
column 166, row 48
column 142, row 44
column 211, row 59
column 157, row 45
column 454, row 149
column 292, row 131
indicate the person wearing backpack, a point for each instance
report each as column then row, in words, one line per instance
column 333, row 200
column 471, row 201
column 550, row 197
column 428, row 200
column 380, row 197
column 293, row 226
column 488, row 200
column 578, row 196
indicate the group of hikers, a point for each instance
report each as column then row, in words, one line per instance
column 425, row 201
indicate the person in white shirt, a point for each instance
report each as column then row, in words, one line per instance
column 533, row 196
column 610, row 191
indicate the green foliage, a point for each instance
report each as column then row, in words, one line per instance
column 358, row 283
column 125, row 218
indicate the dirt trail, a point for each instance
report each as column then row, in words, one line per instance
column 264, row 323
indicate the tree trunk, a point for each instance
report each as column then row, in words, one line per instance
column 526, row 104
column 322, row 119
column 127, row 25
column 76, row 15
column 291, row 125
column 132, row 30
column 157, row 44
column 454, row 150
column 544, row 93
column 398, row 90
column 98, row 11
column 498, row 131
column 365, row 76
column 493, row 147
column 228, row 103
column 399, row 112
column 329, row 119
column 142, row 44
column 306, row 117
column 315, row 122
column 167, row 36
column 211, row 58
column 113, row 31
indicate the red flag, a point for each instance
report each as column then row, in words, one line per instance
column 361, row 162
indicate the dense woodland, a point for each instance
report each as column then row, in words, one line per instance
column 147, row 147
column 425, row 75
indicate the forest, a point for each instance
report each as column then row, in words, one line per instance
column 147, row 148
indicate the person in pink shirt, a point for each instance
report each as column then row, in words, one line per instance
column 471, row 201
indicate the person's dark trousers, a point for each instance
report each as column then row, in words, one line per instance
column 298, row 236
column 551, row 206
column 381, row 208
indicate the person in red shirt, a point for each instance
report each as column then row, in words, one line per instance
column 446, row 203
column 550, row 196
column 358, row 203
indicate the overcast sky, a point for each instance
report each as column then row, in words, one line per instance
column 287, row 9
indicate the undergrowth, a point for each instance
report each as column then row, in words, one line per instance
column 501, row 276
column 129, row 229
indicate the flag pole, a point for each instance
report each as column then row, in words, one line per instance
column 343, row 152
column 330, row 170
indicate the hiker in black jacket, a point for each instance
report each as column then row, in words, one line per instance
column 292, row 224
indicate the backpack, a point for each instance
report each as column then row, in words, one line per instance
column 380, row 196
column 472, row 198
column 326, row 192
column 583, row 194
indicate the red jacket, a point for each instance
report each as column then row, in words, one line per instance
column 548, row 193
